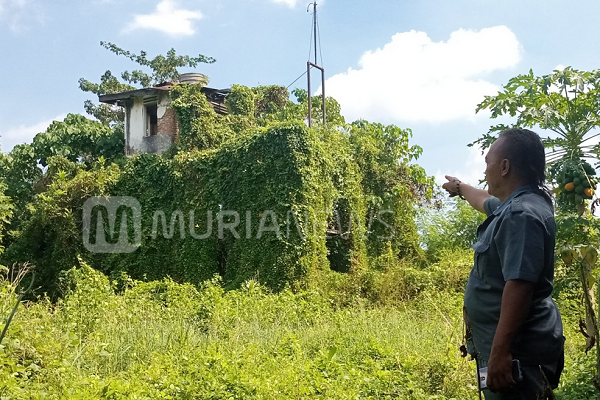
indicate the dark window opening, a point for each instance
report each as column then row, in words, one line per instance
column 151, row 120
column 338, row 253
column 339, row 239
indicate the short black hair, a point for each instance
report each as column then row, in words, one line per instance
column 525, row 151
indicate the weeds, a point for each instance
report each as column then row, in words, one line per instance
column 161, row 339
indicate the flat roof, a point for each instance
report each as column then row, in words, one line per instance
column 217, row 95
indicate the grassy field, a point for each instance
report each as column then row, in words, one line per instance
column 162, row 340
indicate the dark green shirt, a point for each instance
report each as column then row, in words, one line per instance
column 516, row 242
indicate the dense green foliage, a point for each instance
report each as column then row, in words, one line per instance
column 390, row 184
column 241, row 101
column 283, row 161
column 75, row 143
column 302, row 199
column 165, row 340
column 200, row 127
column 162, row 69
column 19, row 171
column 79, row 139
column 259, row 310
column 51, row 238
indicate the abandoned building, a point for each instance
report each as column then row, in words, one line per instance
column 150, row 125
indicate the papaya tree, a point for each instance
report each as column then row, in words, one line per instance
column 566, row 105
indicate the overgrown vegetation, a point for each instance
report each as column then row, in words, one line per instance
column 302, row 200
column 379, row 335
column 326, row 288
column 167, row 340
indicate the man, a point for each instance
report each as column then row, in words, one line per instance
column 508, row 295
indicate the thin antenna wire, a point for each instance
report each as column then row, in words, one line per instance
column 311, row 35
column 288, row 86
column 315, row 28
column 320, row 47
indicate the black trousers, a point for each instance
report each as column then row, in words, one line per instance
column 533, row 386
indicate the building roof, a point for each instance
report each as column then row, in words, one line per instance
column 213, row 95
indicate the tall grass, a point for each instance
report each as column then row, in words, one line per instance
column 342, row 339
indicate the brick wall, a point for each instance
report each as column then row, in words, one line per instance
column 168, row 124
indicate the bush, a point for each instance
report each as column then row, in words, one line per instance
column 396, row 281
column 162, row 339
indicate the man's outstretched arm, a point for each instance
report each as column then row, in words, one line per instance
column 475, row 197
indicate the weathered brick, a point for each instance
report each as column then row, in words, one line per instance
column 168, row 124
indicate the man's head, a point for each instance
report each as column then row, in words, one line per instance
column 517, row 158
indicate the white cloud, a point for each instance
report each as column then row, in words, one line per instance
column 167, row 18
column 290, row 3
column 19, row 15
column 24, row 133
column 413, row 78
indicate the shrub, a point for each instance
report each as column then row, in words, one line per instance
column 162, row 339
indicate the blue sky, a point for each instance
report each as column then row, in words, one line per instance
column 422, row 64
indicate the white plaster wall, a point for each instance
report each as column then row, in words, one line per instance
column 137, row 142
column 136, row 125
column 163, row 102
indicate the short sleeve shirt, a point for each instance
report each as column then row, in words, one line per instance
column 516, row 242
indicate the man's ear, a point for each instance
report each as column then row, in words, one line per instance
column 504, row 167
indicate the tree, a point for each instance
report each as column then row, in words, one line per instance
column 566, row 102
column 390, row 183
column 162, row 69
column 19, row 171
column 25, row 171
column 79, row 139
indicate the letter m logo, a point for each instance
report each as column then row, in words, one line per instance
column 119, row 210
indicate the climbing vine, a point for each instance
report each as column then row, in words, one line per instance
column 254, row 194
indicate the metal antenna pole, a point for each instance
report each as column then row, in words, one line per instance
column 309, row 95
column 315, row 29
column 308, row 67
column 323, row 95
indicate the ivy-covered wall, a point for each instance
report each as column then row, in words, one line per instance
column 274, row 176
column 254, row 194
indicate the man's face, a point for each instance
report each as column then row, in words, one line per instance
column 493, row 170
